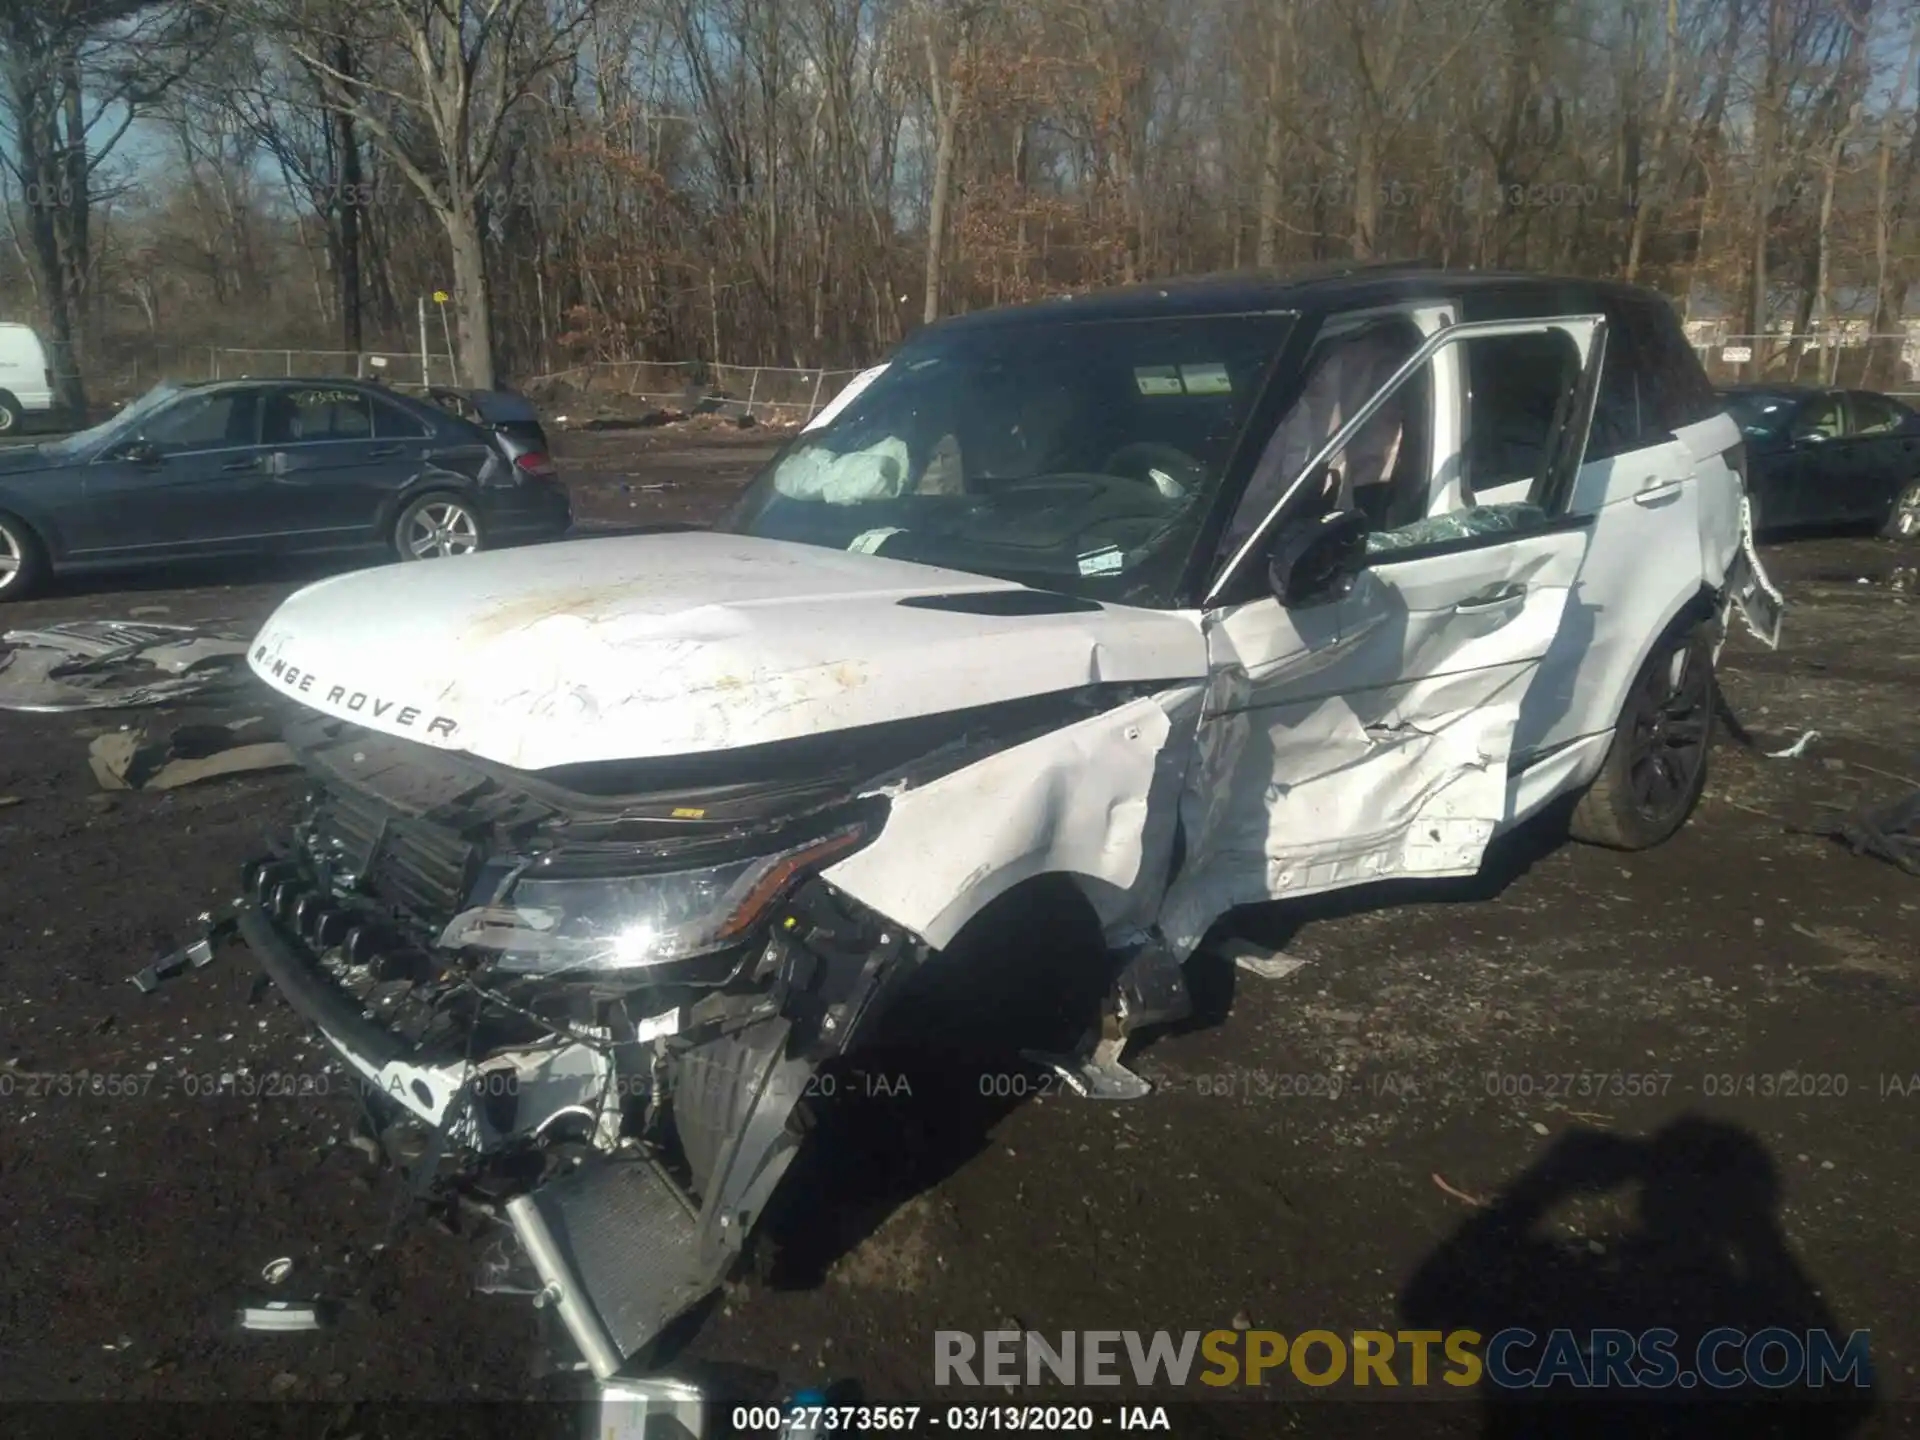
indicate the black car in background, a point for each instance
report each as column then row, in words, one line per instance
column 1829, row 457
column 268, row 467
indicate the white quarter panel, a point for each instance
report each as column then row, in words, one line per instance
column 1641, row 569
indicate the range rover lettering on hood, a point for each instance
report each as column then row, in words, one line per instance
column 295, row 681
column 650, row 646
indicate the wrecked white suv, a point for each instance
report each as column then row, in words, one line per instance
column 1145, row 605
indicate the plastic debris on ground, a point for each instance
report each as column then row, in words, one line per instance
column 1796, row 749
column 1890, row 832
column 112, row 664
column 281, row 1316
column 129, row 760
column 1259, row 960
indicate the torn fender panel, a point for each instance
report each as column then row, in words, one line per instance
column 1750, row 590
column 672, row 645
column 1096, row 800
column 1718, row 490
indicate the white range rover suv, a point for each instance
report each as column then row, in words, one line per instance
column 1101, row 616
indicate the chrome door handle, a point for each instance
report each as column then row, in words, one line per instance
column 1500, row 597
column 1657, row 492
column 252, row 463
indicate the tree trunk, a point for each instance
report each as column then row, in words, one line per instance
column 347, row 256
column 1366, row 171
column 1767, row 127
column 1884, row 354
column 1662, row 137
column 946, row 124
column 472, row 303
column 1266, row 250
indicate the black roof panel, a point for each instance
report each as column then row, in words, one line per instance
column 1315, row 287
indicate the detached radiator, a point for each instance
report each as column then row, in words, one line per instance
column 617, row 1249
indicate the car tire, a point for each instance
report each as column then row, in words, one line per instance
column 12, row 418
column 437, row 525
column 23, row 559
column 1903, row 520
column 1656, row 767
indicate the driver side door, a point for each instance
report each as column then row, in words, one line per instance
column 1367, row 736
column 204, row 492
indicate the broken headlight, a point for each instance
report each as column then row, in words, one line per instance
column 629, row 922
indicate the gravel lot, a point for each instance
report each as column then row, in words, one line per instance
column 1475, row 1033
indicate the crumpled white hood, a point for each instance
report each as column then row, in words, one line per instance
column 660, row 645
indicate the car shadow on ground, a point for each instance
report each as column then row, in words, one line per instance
column 901, row 1118
column 236, row 573
column 1704, row 1253
column 1211, row 975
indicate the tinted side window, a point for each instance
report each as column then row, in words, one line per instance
column 1874, row 414
column 390, row 422
column 204, row 422
column 1516, row 384
column 1675, row 390
column 304, row 416
column 1616, row 409
column 1819, row 419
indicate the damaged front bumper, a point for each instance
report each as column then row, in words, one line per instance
column 634, row 1121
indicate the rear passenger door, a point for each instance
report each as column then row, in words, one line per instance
column 1641, row 482
column 338, row 455
column 1821, row 481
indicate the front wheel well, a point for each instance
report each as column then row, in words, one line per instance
column 1026, row 970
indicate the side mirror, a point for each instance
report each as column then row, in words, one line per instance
column 138, row 452
column 1315, row 560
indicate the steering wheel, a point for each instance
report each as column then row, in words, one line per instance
column 1137, row 460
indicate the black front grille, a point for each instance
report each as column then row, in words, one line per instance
column 420, row 868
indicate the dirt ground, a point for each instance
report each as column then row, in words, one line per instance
column 1296, row 1167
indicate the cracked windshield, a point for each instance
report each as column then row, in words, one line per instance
column 1079, row 458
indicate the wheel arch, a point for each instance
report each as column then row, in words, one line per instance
column 1034, row 952
column 429, row 481
column 426, row 487
column 1684, row 607
column 44, row 535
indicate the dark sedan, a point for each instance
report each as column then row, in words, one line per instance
column 271, row 467
column 1830, row 457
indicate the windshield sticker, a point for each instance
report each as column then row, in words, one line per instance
column 868, row 541
column 848, row 393
column 1157, row 379
column 1102, row 562
column 1206, row 379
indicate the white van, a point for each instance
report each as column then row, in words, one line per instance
column 26, row 379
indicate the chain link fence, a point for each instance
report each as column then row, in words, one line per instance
column 1845, row 357
column 135, row 374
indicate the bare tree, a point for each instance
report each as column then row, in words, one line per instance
column 78, row 74
column 443, row 82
